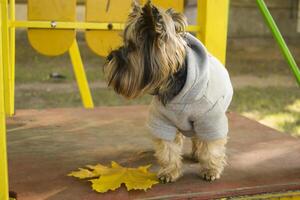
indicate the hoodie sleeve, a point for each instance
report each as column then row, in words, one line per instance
column 159, row 125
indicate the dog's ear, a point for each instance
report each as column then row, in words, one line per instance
column 136, row 7
column 179, row 19
column 153, row 19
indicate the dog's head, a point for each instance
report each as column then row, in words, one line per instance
column 153, row 50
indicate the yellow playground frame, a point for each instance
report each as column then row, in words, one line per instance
column 210, row 28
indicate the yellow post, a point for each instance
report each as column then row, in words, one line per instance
column 3, row 152
column 81, row 76
column 213, row 20
column 6, row 59
column 12, row 54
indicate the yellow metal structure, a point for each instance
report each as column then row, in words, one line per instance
column 52, row 41
column 51, row 31
column 213, row 20
column 178, row 5
column 80, row 76
column 79, row 25
column 49, row 41
column 12, row 58
column 113, row 11
column 8, row 98
column 105, row 11
column 3, row 152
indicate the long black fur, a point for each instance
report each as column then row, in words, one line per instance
column 121, row 58
column 149, row 34
column 177, row 83
column 147, row 27
column 150, row 17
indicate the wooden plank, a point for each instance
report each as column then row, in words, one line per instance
column 260, row 159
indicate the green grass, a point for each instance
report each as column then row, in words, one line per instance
column 43, row 99
column 33, row 67
column 39, row 72
column 275, row 107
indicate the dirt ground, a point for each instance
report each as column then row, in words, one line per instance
column 265, row 89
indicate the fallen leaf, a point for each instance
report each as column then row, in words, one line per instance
column 111, row 178
column 91, row 172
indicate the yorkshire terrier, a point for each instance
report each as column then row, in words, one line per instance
column 191, row 89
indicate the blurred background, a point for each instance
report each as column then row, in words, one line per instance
column 265, row 89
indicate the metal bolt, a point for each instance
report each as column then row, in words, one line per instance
column 53, row 24
column 110, row 26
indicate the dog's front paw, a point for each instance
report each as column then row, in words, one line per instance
column 210, row 174
column 168, row 177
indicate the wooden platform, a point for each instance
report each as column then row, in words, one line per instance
column 44, row 146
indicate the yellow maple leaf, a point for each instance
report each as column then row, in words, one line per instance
column 112, row 178
column 93, row 171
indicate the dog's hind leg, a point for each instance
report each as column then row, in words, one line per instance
column 169, row 156
column 211, row 157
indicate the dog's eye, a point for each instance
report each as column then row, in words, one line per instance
column 120, row 56
column 114, row 53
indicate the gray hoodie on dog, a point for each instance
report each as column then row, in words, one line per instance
column 200, row 107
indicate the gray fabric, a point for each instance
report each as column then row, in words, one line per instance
column 200, row 107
